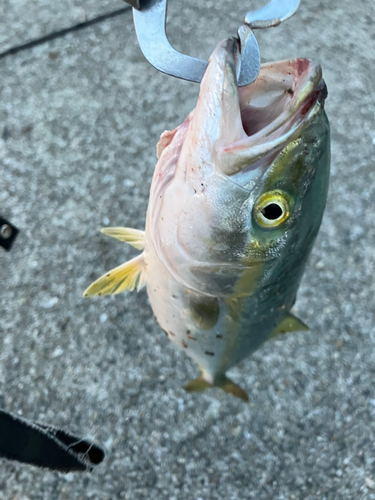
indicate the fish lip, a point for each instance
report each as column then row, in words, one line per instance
column 294, row 89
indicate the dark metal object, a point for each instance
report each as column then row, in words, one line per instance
column 45, row 446
column 150, row 18
column 8, row 234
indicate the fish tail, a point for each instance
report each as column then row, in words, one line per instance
column 231, row 388
column 200, row 384
column 197, row 385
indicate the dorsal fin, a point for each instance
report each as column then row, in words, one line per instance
column 134, row 237
column 289, row 324
column 127, row 277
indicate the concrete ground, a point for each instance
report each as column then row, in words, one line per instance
column 79, row 119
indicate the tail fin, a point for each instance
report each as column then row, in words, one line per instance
column 200, row 384
column 128, row 276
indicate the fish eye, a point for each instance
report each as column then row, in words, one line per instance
column 272, row 209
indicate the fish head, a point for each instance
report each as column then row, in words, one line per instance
column 244, row 202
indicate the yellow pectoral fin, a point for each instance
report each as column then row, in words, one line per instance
column 289, row 324
column 133, row 237
column 128, row 276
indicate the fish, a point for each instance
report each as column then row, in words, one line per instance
column 236, row 202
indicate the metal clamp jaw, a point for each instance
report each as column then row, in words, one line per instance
column 150, row 19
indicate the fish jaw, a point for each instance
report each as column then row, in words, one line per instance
column 217, row 116
column 186, row 167
column 233, row 127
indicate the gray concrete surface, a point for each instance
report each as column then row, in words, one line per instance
column 79, row 120
column 25, row 20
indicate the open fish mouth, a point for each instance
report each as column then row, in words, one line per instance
column 284, row 92
column 261, row 117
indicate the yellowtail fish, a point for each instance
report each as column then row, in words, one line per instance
column 236, row 202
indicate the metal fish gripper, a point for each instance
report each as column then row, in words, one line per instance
column 150, row 21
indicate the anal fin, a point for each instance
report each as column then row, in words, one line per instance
column 289, row 324
column 200, row 384
column 134, row 237
column 128, row 276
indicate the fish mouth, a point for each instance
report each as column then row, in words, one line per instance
column 235, row 126
column 283, row 92
column 273, row 110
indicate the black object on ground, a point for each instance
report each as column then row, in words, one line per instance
column 45, row 446
column 8, row 234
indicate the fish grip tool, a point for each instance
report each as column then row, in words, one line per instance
column 150, row 21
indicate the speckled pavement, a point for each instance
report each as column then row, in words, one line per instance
column 79, row 119
column 25, row 20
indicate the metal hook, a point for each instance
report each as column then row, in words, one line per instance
column 150, row 19
column 150, row 28
column 272, row 14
